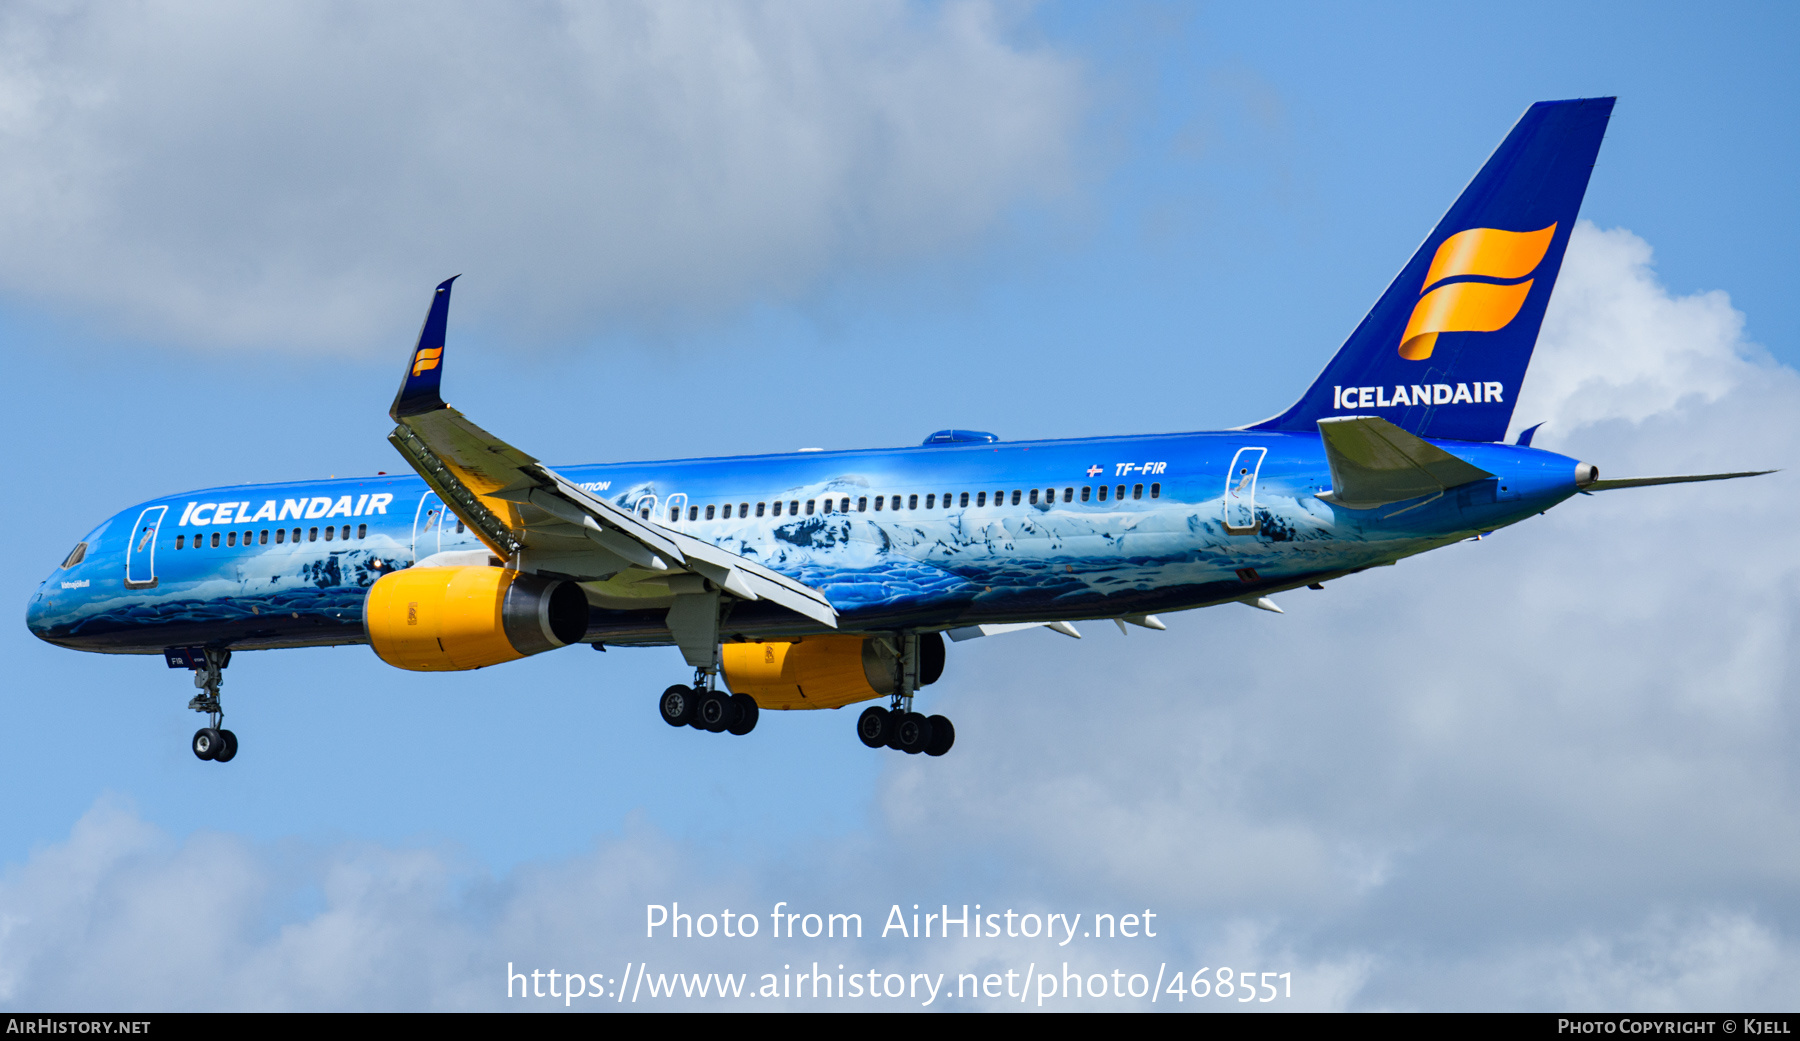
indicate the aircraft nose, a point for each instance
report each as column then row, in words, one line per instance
column 37, row 612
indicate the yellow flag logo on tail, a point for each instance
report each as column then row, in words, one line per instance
column 426, row 359
column 1474, row 307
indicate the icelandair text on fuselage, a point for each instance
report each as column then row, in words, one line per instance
column 671, row 922
column 201, row 514
column 1416, row 394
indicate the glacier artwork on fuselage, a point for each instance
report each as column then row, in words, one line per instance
column 822, row 579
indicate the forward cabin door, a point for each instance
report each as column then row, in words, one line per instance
column 1240, row 491
column 140, row 556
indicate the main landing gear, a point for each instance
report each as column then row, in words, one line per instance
column 906, row 731
column 898, row 726
column 210, row 741
column 705, row 708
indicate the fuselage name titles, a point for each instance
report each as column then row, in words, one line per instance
column 202, row 514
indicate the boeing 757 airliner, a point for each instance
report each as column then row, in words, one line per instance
column 821, row 579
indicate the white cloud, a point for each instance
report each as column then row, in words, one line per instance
column 299, row 173
column 1549, row 770
column 1616, row 346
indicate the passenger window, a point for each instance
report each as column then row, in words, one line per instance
column 312, row 534
column 1156, row 491
column 777, row 510
column 965, row 499
column 231, row 538
column 931, row 501
column 743, row 510
column 1137, row 491
column 912, row 502
column 1015, row 501
column 709, row 512
column 1069, row 495
column 809, row 507
column 693, row 513
column 1119, row 493
column 674, row 514
column 280, row 536
column 362, row 531
column 296, row 534
column 760, row 506
column 794, row 507
column 981, row 498
column 1034, row 497
column 726, row 513
column 878, row 503
column 262, row 537
column 180, row 543
column 1103, row 493
column 329, row 532
column 459, row 527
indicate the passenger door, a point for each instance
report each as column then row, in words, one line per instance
column 140, row 556
column 1240, row 491
column 428, row 524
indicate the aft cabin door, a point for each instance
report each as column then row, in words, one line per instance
column 428, row 526
column 1240, row 491
column 140, row 556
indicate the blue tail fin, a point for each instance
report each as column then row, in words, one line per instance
column 1444, row 349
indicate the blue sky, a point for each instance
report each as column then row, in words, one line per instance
column 1435, row 787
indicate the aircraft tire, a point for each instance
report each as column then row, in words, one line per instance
column 715, row 712
column 874, row 726
column 913, row 734
column 206, row 743
column 227, row 747
column 943, row 735
column 677, row 705
column 747, row 713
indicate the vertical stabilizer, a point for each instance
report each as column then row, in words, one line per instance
column 1444, row 350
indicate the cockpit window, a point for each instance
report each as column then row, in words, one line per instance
column 76, row 555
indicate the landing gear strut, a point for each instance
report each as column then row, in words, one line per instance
column 704, row 707
column 898, row 726
column 210, row 741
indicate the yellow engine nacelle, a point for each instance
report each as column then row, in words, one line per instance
column 823, row 671
column 444, row 619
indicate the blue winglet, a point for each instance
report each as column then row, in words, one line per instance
column 419, row 389
column 1526, row 435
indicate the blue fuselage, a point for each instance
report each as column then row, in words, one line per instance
column 918, row 538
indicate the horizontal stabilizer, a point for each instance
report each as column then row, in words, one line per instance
column 1643, row 482
column 1373, row 463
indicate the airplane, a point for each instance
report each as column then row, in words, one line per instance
column 819, row 579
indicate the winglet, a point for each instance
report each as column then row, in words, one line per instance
column 425, row 370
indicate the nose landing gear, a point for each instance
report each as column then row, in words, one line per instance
column 210, row 741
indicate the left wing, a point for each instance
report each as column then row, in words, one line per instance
column 538, row 521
